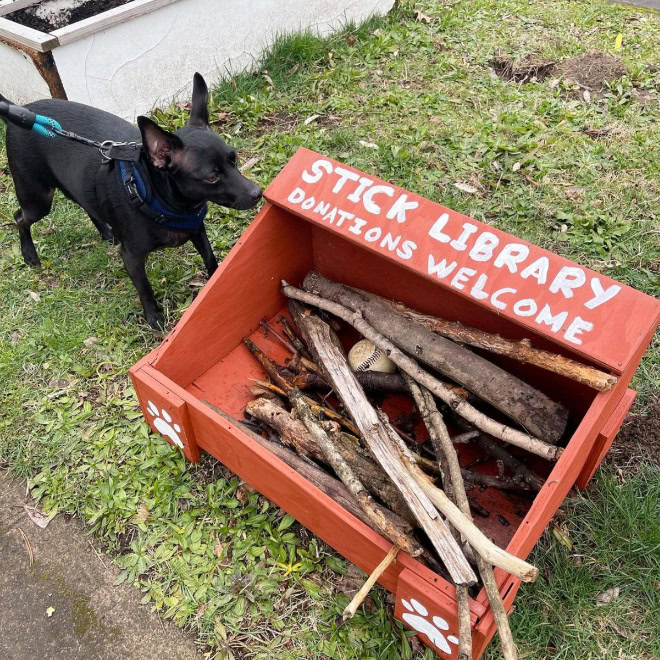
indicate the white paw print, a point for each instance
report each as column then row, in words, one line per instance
column 163, row 425
column 415, row 618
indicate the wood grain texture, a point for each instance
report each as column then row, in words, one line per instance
column 26, row 36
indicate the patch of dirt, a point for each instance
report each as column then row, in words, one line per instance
column 638, row 440
column 592, row 71
column 50, row 15
column 528, row 70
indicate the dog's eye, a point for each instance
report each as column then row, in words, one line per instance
column 214, row 178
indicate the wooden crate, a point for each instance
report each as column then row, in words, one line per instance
column 367, row 233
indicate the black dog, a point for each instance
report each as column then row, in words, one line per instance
column 158, row 201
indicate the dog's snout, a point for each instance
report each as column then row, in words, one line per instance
column 255, row 193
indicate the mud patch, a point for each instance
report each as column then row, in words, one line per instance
column 50, row 15
column 528, row 70
column 638, row 441
column 593, row 71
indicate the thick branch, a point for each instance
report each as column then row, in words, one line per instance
column 521, row 350
column 460, row 406
column 529, row 407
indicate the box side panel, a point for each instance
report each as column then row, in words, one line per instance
column 584, row 311
column 166, row 412
column 605, row 439
column 244, row 290
column 288, row 490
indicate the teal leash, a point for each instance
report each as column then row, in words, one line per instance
column 50, row 128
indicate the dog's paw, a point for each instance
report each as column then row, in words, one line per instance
column 416, row 618
column 155, row 319
column 163, row 424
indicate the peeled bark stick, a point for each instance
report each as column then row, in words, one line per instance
column 351, row 608
column 459, row 405
column 326, row 483
column 443, row 444
column 482, row 545
column 293, row 433
column 329, row 356
column 521, row 350
column 348, row 476
column 269, row 366
column 529, row 407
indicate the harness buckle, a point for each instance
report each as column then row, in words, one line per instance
column 131, row 188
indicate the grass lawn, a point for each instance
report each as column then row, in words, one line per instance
column 577, row 175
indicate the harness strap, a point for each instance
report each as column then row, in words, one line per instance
column 140, row 195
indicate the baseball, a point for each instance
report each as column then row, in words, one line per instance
column 365, row 356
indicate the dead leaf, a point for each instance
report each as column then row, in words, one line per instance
column 15, row 337
column 421, row 16
column 292, row 70
column 350, row 40
column 59, row 383
column 438, row 45
column 50, row 611
column 35, row 296
column 36, row 517
column 562, row 536
column 516, row 167
column 586, row 95
column 142, row 515
column 250, row 163
column 608, row 596
column 90, row 341
column 309, row 120
column 369, row 145
column 350, row 583
column 465, row 187
column 219, row 549
column 198, row 283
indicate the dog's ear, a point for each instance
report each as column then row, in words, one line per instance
column 199, row 115
column 160, row 146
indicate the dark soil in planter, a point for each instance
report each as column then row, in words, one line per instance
column 38, row 17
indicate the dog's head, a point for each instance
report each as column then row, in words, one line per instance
column 201, row 164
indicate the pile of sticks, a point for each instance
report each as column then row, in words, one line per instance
column 383, row 481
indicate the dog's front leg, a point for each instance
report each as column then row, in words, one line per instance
column 134, row 263
column 201, row 242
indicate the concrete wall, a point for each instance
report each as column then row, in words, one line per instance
column 20, row 80
column 130, row 68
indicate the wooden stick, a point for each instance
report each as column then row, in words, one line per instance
column 529, row 407
column 329, row 356
column 440, row 439
column 293, row 433
column 521, row 350
column 460, row 406
column 351, row 608
column 344, row 471
column 472, row 534
column 326, row 483
column 269, row 366
column 316, row 407
column 443, row 444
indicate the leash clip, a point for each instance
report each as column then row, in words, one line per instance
column 120, row 151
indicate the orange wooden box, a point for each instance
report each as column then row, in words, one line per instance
column 364, row 232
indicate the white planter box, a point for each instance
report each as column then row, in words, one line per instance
column 143, row 54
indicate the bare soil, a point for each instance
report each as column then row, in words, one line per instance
column 592, row 71
column 46, row 21
column 638, row 441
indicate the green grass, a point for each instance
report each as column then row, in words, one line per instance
column 205, row 551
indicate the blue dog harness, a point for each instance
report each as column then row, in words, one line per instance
column 141, row 196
